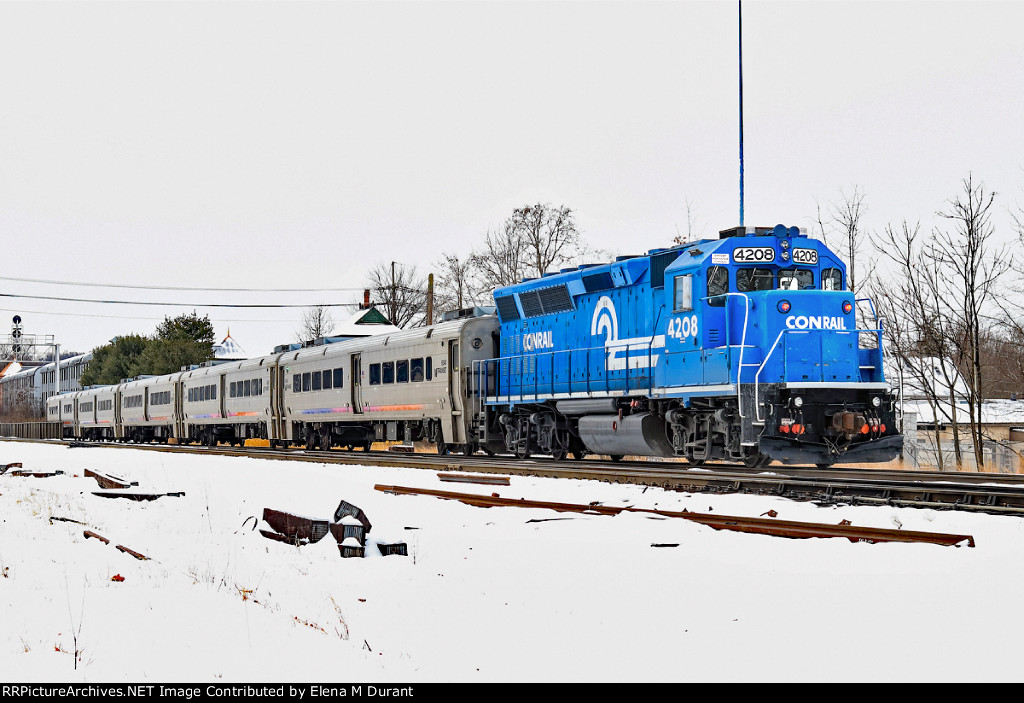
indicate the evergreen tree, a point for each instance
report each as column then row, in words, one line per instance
column 177, row 342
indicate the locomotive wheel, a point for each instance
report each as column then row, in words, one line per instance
column 756, row 460
column 523, row 449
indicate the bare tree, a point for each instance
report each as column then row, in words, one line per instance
column 534, row 240
column 316, row 322
column 549, row 235
column 972, row 264
column 401, row 292
column 456, row 286
column 691, row 226
column 501, row 261
column 916, row 331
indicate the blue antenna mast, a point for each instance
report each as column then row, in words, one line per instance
column 741, row 112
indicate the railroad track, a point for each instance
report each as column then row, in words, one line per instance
column 993, row 493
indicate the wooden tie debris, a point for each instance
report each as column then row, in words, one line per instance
column 108, row 481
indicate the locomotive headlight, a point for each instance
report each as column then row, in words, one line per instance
column 785, row 256
column 847, row 307
column 798, row 402
column 784, row 306
column 876, row 401
column 784, row 244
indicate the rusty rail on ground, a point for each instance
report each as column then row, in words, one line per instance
column 764, row 526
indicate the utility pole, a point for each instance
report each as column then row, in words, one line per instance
column 394, row 296
column 430, row 299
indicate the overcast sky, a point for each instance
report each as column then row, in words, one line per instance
column 296, row 145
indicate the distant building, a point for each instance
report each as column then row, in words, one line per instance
column 229, row 350
column 367, row 321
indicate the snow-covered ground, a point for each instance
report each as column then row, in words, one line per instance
column 499, row 594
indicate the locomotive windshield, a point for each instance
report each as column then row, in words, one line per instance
column 718, row 285
column 795, row 279
column 831, row 279
column 754, row 279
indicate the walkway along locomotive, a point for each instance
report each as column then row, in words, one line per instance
column 742, row 348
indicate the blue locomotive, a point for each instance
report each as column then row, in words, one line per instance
column 741, row 348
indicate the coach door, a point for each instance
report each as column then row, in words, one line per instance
column 455, row 394
column 275, row 431
column 356, row 380
column 179, row 409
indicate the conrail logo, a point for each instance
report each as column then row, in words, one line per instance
column 815, row 322
column 538, row 340
column 634, row 353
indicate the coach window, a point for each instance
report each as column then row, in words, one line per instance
column 388, row 371
column 339, row 378
column 374, row 374
column 416, row 369
column 307, row 381
column 718, row 285
column 430, row 368
column 832, row 279
column 754, row 279
column 795, row 279
column 327, row 378
column 683, row 293
column 296, row 383
column 247, row 387
column 403, row 371
column 317, row 378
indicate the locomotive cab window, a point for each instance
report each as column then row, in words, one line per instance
column 754, row 279
column 832, row 279
column 796, row 279
column 682, row 297
column 718, row 285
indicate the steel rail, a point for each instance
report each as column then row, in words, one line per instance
column 758, row 525
column 969, row 491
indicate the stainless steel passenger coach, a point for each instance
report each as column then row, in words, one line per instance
column 410, row 385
